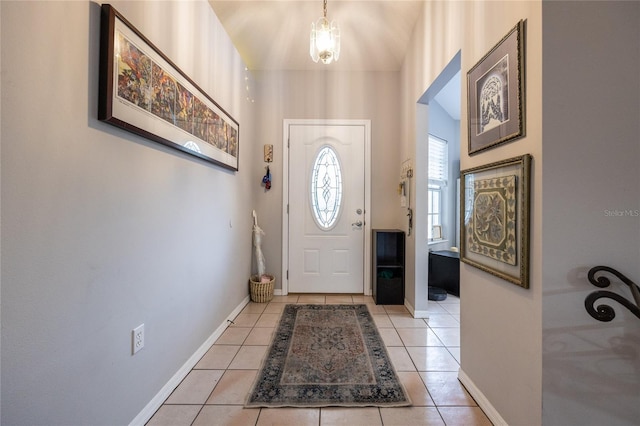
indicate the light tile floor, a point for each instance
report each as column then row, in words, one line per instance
column 425, row 353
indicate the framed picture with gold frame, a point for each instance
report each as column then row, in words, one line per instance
column 494, row 228
column 496, row 93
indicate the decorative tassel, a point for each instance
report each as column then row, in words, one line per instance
column 267, row 179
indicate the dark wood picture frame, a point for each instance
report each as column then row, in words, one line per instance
column 141, row 90
column 496, row 93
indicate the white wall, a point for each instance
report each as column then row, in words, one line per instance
column 329, row 95
column 500, row 322
column 591, row 63
column 103, row 230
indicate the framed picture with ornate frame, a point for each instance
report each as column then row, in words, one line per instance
column 143, row 92
column 496, row 95
column 494, row 229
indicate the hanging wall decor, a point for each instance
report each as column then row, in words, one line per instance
column 143, row 92
column 496, row 94
column 268, row 153
column 494, row 233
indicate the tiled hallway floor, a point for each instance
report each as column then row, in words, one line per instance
column 425, row 353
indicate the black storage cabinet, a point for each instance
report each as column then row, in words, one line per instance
column 444, row 271
column 388, row 267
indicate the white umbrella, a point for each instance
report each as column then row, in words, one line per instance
column 257, row 243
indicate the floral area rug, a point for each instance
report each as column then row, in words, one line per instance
column 327, row 355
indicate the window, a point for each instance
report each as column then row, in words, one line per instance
column 326, row 188
column 438, row 173
column 435, row 209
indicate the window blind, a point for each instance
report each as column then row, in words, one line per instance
column 438, row 161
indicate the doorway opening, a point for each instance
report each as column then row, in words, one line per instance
column 441, row 135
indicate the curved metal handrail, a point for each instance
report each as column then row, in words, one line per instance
column 604, row 312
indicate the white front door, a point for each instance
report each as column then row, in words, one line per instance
column 326, row 208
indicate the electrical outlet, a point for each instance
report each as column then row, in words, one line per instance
column 137, row 339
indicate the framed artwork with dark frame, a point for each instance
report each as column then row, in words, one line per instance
column 143, row 92
column 494, row 228
column 496, row 95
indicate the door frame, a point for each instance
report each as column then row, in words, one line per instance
column 367, row 194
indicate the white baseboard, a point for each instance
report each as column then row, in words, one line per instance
column 421, row 314
column 278, row 292
column 482, row 400
column 153, row 405
column 413, row 312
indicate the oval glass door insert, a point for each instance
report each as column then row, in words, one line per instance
column 326, row 188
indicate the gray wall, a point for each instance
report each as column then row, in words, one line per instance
column 591, row 92
column 535, row 356
column 329, row 95
column 103, row 230
column 500, row 323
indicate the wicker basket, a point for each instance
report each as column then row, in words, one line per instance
column 261, row 292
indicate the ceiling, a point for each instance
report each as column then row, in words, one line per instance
column 274, row 35
column 449, row 97
column 375, row 35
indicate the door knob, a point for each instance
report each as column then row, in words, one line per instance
column 358, row 224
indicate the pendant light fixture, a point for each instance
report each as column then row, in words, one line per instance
column 325, row 39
